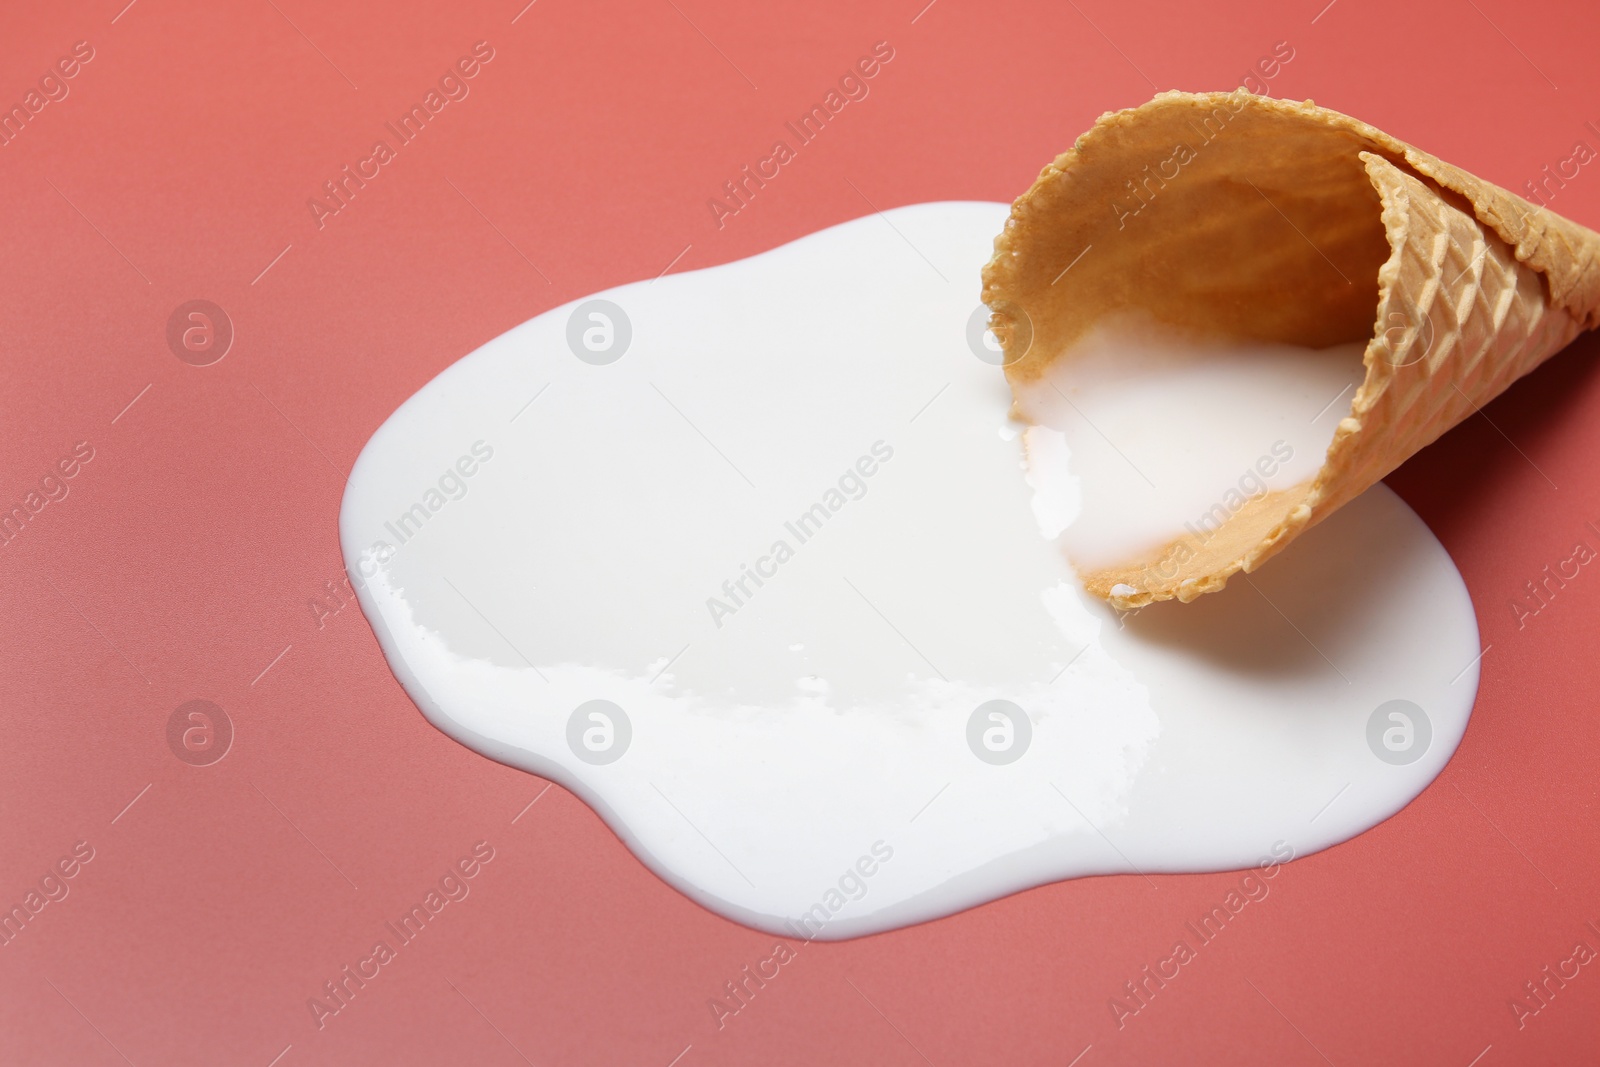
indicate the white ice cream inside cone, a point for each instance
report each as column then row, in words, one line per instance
column 1142, row 434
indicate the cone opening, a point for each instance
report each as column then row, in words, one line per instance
column 1223, row 215
column 1234, row 217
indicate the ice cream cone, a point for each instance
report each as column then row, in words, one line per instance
column 1239, row 216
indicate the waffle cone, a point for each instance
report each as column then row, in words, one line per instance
column 1239, row 216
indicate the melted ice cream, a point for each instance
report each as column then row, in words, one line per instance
column 747, row 558
column 1143, row 434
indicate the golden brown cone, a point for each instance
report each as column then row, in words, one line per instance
column 1240, row 216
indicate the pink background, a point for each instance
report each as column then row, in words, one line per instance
column 182, row 561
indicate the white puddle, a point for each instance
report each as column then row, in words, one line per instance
column 784, row 538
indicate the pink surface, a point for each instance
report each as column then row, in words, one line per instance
column 181, row 563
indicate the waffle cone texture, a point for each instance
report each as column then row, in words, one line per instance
column 1238, row 216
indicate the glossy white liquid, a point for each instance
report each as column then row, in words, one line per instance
column 807, row 753
column 1141, row 433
